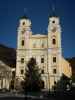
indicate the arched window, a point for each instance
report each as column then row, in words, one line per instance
column 22, row 60
column 54, row 41
column 55, row 82
column 22, row 71
column 54, row 59
column 23, row 23
column 22, row 42
column 42, row 71
column 42, row 60
column 54, row 71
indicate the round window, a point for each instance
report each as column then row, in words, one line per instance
column 53, row 21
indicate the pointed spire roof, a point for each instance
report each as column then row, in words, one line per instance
column 25, row 14
column 53, row 12
column 52, row 9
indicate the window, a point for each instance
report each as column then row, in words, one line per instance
column 54, row 85
column 42, row 45
column 34, row 45
column 42, row 71
column 22, row 71
column 54, row 71
column 13, row 74
column 22, row 60
column 54, row 59
column 22, row 42
column 53, row 21
column 23, row 23
column 42, row 60
column 54, row 41
column 54, row 82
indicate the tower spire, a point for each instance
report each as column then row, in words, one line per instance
column 52, row 11
column 25, row 10
column 25, row 14
column 53, row 7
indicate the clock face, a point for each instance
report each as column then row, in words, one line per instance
column 53, row 30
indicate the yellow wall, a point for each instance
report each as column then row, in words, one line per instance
column 66, row 68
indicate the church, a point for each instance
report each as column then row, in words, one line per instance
column 46, row 49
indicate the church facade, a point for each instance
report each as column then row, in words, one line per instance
column 46, row 49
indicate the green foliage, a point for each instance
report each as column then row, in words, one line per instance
column 33, row 80
column 73, row 78
column 62, row 83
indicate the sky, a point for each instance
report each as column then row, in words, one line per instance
column 38, row 11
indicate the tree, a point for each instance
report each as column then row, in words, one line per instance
column 63, row 83
column 73, row 78
column 33, row 81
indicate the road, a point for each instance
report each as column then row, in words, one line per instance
column 10, row 96
column 59, row 96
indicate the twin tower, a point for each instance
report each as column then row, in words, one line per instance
column 46, row 49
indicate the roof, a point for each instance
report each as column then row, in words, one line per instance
column 24, row 17
column 39, row 36
column 53, row 14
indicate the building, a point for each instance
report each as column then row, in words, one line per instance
column 5, row 76
column 72, row 62
column 7, row 66
column 45, row 48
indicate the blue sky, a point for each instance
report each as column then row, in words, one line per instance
column 38, row 11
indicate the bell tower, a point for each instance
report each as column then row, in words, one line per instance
column 54, row 33
column 23, row 40
column 54, row 48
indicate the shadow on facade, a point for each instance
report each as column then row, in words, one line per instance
column 64, row 84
